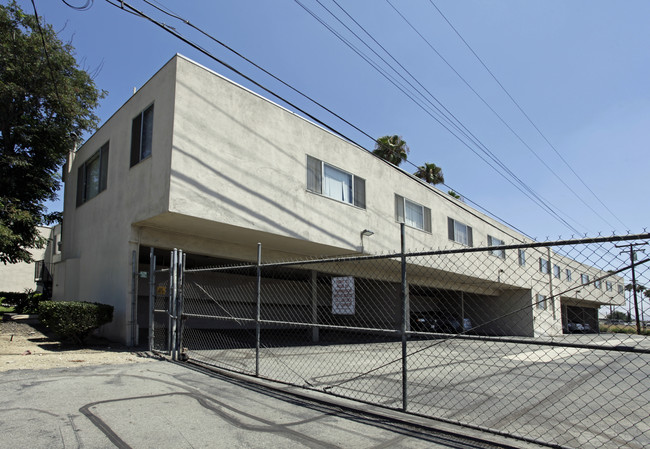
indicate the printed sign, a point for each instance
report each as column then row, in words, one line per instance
column 343, row 295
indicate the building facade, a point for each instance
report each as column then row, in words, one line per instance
column 195, row 161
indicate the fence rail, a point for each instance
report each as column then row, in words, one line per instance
column 524, row 340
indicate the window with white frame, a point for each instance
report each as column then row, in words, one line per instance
column 567, row 274
column 412, row 214
column 459, row 232
column 493, row 241
column 620, row 288
column 609, row 286
column 598, row 284
column 92, row 175
column 584, row 279
column 522, row 256
column 141, row 135
column 541, row 302
column 557, row 271
column 335, row 183
column 544, row 266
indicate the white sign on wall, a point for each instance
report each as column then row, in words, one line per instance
column 343, row 295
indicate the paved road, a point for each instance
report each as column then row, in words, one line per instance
column 572, row 396
column 167, row 405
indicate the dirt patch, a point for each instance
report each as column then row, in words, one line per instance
column 29, row 345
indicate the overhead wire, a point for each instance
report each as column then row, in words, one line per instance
column 528, row 118
column 188, row 23
column 194, row 45
column 501, row 119
column 47, row 56
column 85, row 7
column 533, row 196
column 130, row 9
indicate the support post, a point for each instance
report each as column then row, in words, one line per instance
column 405, row 319
column 315, row 337
column 134, row 297
column 152, row 295
column 180, row 274
column 171, row 306
column 258, row 313
column 551, row 273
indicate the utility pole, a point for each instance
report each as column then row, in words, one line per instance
column 632, row 263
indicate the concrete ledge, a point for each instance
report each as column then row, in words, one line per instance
column 22, row 318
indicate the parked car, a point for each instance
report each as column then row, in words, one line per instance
column 579, row 328
column 439, row 322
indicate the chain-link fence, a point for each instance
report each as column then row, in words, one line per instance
column 545, row 342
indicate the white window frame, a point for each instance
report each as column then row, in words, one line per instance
column 317, row 180
column 493, row 241
column 584, row 279
column 567, row 274
column 609, row 286
column 541, row 302
column 544, row 266
column 401, row 215
column 454, row 235
column 521, row 257
column 557, row 272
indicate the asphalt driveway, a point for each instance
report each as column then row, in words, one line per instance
column 167, row 405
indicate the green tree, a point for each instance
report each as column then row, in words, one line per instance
column 454, row 194
column 45, row 101
column 392, row 149
column 430, row 173
column 618, row 316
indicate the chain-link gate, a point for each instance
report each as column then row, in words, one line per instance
column 546, row 342
column 166, row 305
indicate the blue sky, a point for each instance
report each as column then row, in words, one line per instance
column 579, row 69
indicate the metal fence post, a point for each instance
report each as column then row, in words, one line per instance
column 152, row 295
column 180, row 274
column 258, row 309
column 405, row 318
column 171, row 337
column 134, row 297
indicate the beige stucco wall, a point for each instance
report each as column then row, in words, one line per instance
column 97, row 236
column 19, row 277
column 228, row 170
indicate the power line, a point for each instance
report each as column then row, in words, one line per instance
column 172, row 31
column 188, row 23
column 501, row 119
column 47, row 56
column 461, row 128
column 526, row 115
column 434, row 190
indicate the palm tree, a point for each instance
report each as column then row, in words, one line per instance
column 430, row 173
column 454, row 194
column 392, row 149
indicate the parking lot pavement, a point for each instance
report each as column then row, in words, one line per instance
column 167, row 405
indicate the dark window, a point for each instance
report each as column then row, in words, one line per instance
column 92, row 175
column 141, row 135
